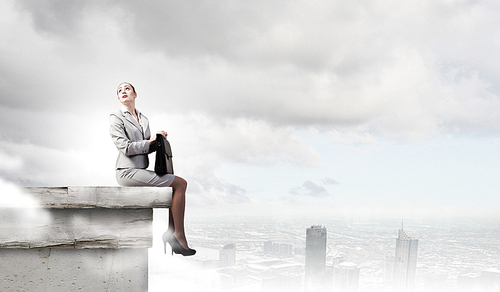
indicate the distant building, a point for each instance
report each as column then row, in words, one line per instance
column 338, row 259
column 469, row 282
column 315, row 260
column 227, row 256
column 232, row 277
column 490, row 280
column 282, row 250
column 346, row 277
column 276, row 274
column 328, row 277
column 285, row 250
column 405, row 262
column 268, row 247
column 389, row 269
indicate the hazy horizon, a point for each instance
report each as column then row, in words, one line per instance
column 448, row 249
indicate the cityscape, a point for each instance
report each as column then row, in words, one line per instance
column 262, row 254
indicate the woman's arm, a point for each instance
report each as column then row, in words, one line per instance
column 152, row 141
column 122, row 140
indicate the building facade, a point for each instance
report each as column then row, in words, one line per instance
column 227, row 256
column 315, row 260
column 405, row 262
column 346, row 277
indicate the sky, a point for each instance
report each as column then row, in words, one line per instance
column 272, row 107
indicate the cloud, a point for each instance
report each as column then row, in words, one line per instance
column 21, row 214
column 11, row 196
column 234, row 82
column 311, row 189
column 236, row 195
column 349, row 66
column 18, row 207
column 377, row 68
column 10, row 163
column 206, row 189
column 329, row 181
column 239, row 140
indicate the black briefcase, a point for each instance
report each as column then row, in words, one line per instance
column 163, row 163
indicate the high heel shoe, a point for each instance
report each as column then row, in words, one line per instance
column 166, row 238
column 178, row 248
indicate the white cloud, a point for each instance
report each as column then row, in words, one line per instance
column 21, row 211
column 201, row 145
column 11, row 196
column 311, row 189
column 378, row 67
column 42, row 166
column 329, row 181
column 10, row 162
column 234, row 82
column 238, row 140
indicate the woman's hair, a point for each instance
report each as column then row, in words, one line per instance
column 125, row 83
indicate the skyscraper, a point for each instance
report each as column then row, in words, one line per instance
column 405, row 262
column 346, row 277
column 227, row 256
column 315, row 255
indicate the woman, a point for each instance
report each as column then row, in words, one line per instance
column 129, row 131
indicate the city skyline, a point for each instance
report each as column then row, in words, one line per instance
column 452, row 256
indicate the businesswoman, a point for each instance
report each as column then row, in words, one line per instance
column 129, row 130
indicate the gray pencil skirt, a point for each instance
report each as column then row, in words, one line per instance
column 136, row 177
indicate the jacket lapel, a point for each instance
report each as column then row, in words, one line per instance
column 133, row 121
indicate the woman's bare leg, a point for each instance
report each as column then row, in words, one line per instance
column 176, row 214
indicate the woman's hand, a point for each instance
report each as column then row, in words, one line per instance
column 163, row 133
column 153, row 139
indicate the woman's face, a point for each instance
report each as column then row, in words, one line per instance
column 126, row 92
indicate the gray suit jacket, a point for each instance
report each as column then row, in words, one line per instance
column 131, row 141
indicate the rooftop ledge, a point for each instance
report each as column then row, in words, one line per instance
column 81, row 197
column 82, row 217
